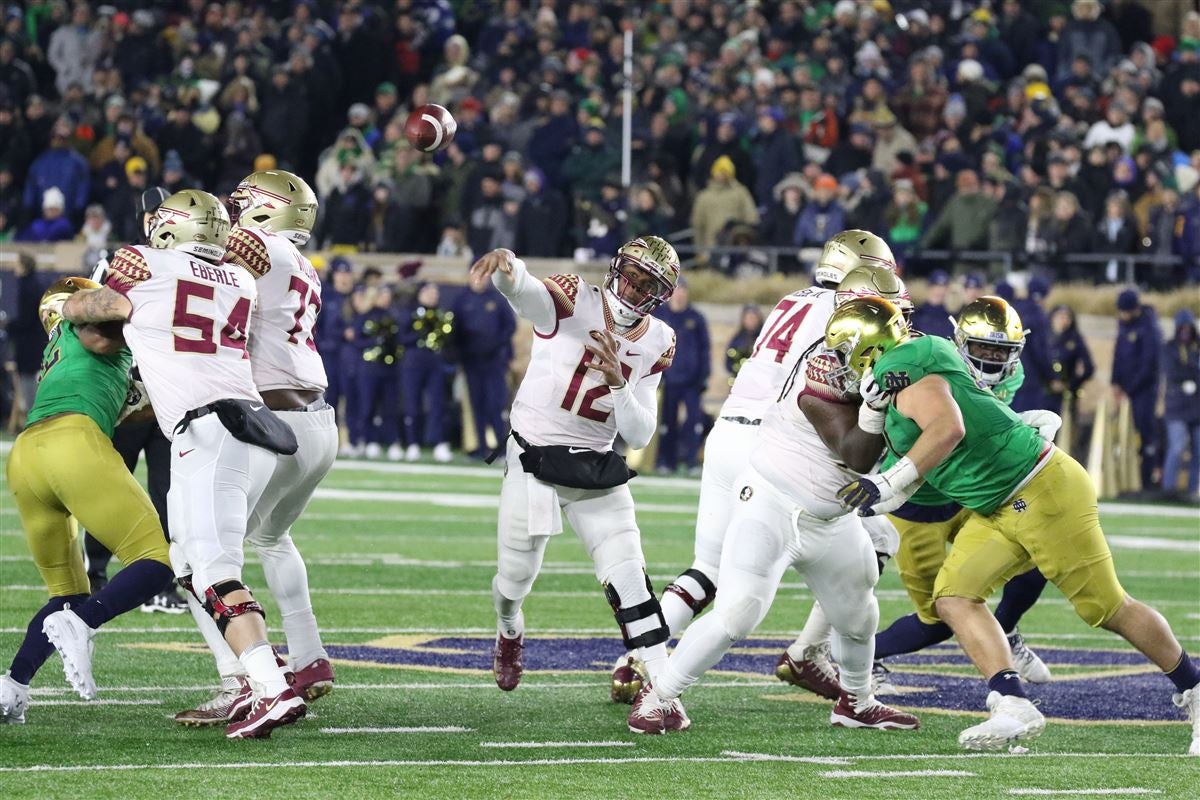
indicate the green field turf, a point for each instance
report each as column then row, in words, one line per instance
column 400, row 560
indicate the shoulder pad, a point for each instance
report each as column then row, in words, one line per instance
column 126, row 270
column 248, row 250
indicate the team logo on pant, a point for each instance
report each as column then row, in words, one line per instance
column 746, row 493
column 1019, row 505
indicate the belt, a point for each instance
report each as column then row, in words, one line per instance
column 743, row 420
column 195, row 413
column 316, row 405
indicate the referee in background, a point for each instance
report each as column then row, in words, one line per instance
column 134, row 435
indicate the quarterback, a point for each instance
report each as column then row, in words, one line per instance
column 64, row 468
column 593, row 373
column 1031, row 504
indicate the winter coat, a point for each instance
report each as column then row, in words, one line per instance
column 716, row 206
column 817, row 223
column 1137, row 352
column 775, row 155
column 693, row 357
column 1181, row 372
column 963, row 223
column 61, row 167
column 542, row 224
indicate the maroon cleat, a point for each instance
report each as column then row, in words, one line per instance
column 314, row 680
column 654, row 714
column 850, row 713
column 816, row 672
column 506, row 661
column 267, row 714
column 231, row 703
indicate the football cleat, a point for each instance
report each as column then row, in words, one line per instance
column 231, row 703
column 14, row 699
column 506, row 661
column 168, row 602
column 881, row 680
column 1031, row 668
column 72, row 638
column 395, row 452
column 628, row 677
column 413, row 453
column 267, row 714
column 815, row 671
column 1189, row 701
column 442, row 453
column 1013, row 719
column 373, row 450
column 314, row 680
column 852, row 713
column 653, row 714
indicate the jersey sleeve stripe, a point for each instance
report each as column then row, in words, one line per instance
column 664, row 361
column 564, row 289
column 127, row 269
column 246, row 249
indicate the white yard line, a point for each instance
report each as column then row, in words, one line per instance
column 912, row 773
column 99, row 702
column 1119, row 542
column 384, row 687
column 416, row 729
column 555, row 745
column 1132, row 790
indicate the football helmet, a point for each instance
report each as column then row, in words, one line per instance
column 873, row 280
column 53, row 298
column 990, row 337
column 192, row 221
column 858, row 333
column 641, row 277
column 847, row 250
column 277, row 201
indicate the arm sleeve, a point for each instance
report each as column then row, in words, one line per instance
column 533, row 299
column 635, row 410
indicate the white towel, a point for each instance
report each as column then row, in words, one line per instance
column 545, row 518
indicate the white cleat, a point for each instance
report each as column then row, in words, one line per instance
column 1014, row 719
column 72, row 638
column 394, row 452
column 349, row 451
column 373, row 450
column 413, row 453
column 442, row 454
column 14, row 699
column 1190, row 702
column 881, row 680
column 1031, row 668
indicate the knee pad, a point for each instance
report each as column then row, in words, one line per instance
column 742, row 618
column 222, row 613
column 707, row 589
column 517, row 568
column 649, row 609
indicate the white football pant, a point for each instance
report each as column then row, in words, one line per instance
column 767, row 535
column 284, row 499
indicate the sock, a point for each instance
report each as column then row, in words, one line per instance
column 816, row 631
column 128, row 589
column 510, row 621
column 854, row 659
column 287, row 579
column 705, row 642
column 1006, row 681
column 303, row 638
column 1185, row 675
column 228, row 664
column 908, row 635
column 36, row 648
column 1019, row 596
column 655, row 659
column 260, row 664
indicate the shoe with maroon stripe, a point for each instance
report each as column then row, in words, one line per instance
column 314, row 680
column 654, row 714
column 850, row 712
column 815, row 671
column 267, row 714
column 231, row 703
column 506, row 661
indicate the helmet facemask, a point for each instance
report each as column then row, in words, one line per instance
column 992, row 359
column 633, row 290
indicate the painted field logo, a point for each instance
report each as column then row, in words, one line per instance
column 1089, row 685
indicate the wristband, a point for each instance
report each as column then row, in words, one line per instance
column 902, row 474
column 870, row 420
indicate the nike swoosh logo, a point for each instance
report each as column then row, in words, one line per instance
column 274, row 702
column 631, row 355
column 575, row 450
column 183, row 453
column 256, row 408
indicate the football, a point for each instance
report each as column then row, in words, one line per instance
column 430, row 127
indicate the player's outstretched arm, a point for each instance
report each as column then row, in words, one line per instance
column 528, row 296
column 97, row 305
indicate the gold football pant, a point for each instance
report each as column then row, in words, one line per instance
column 921, row 556
column 1052, row 523
column 66, row 467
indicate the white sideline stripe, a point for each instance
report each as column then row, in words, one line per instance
column 1120, row 542
column 1089, row 792
column 413, row 729
column 1136, row 509
column 729, row 757
column 450, row 500
column 100, row 702
column 912, row 773
column 531, row 745
column 375, row 687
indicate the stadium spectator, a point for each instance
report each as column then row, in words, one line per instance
column 1181, row 379
column 723, row 201
column 904, row 219
column 932, row 317
column 425, row 333
column 374, row 418
column 590, row 162
column 61, row 167
column 95, row 235
column 1070, row 359
column 822, row 217
column 334, row 333
column 1072, row 235
column 74, row 50
column 542, row 218
column 775, row 154
column 1090, row 36
column 684, row 384
column 741, row 346
column 649, row 214
column 483, row 328
column 1136, row 374
column 1040, row 386
column 52, row 225
column 1116, row 233
column 963, row 222
column 27, row 340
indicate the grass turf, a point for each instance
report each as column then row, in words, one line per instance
column 400, row 562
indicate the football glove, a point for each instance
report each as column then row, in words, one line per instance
column 873, row 395
column 1046, row 422
column 871, row 492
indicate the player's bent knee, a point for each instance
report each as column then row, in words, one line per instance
column 224, row 613
column 517, row 569
column 740, row 618
column 1098, row 612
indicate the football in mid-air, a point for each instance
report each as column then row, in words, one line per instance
column 430, row 128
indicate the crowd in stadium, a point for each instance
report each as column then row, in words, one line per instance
column 1035, row 127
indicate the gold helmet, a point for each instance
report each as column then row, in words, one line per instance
column 847, row 250
column 53, row 298
column 192, row 221
column 277, row 201
column 990, row 337
column 859, row 332
column 648, row 255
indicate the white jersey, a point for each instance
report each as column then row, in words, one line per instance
column 561, row 400
column 283, row 353
column 187, row 329
column 790, row 452
column 792, row 326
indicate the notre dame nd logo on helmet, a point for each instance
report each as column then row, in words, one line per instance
column 746, row 493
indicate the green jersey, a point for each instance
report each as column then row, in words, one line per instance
column 998, row 450
column 75, row 380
